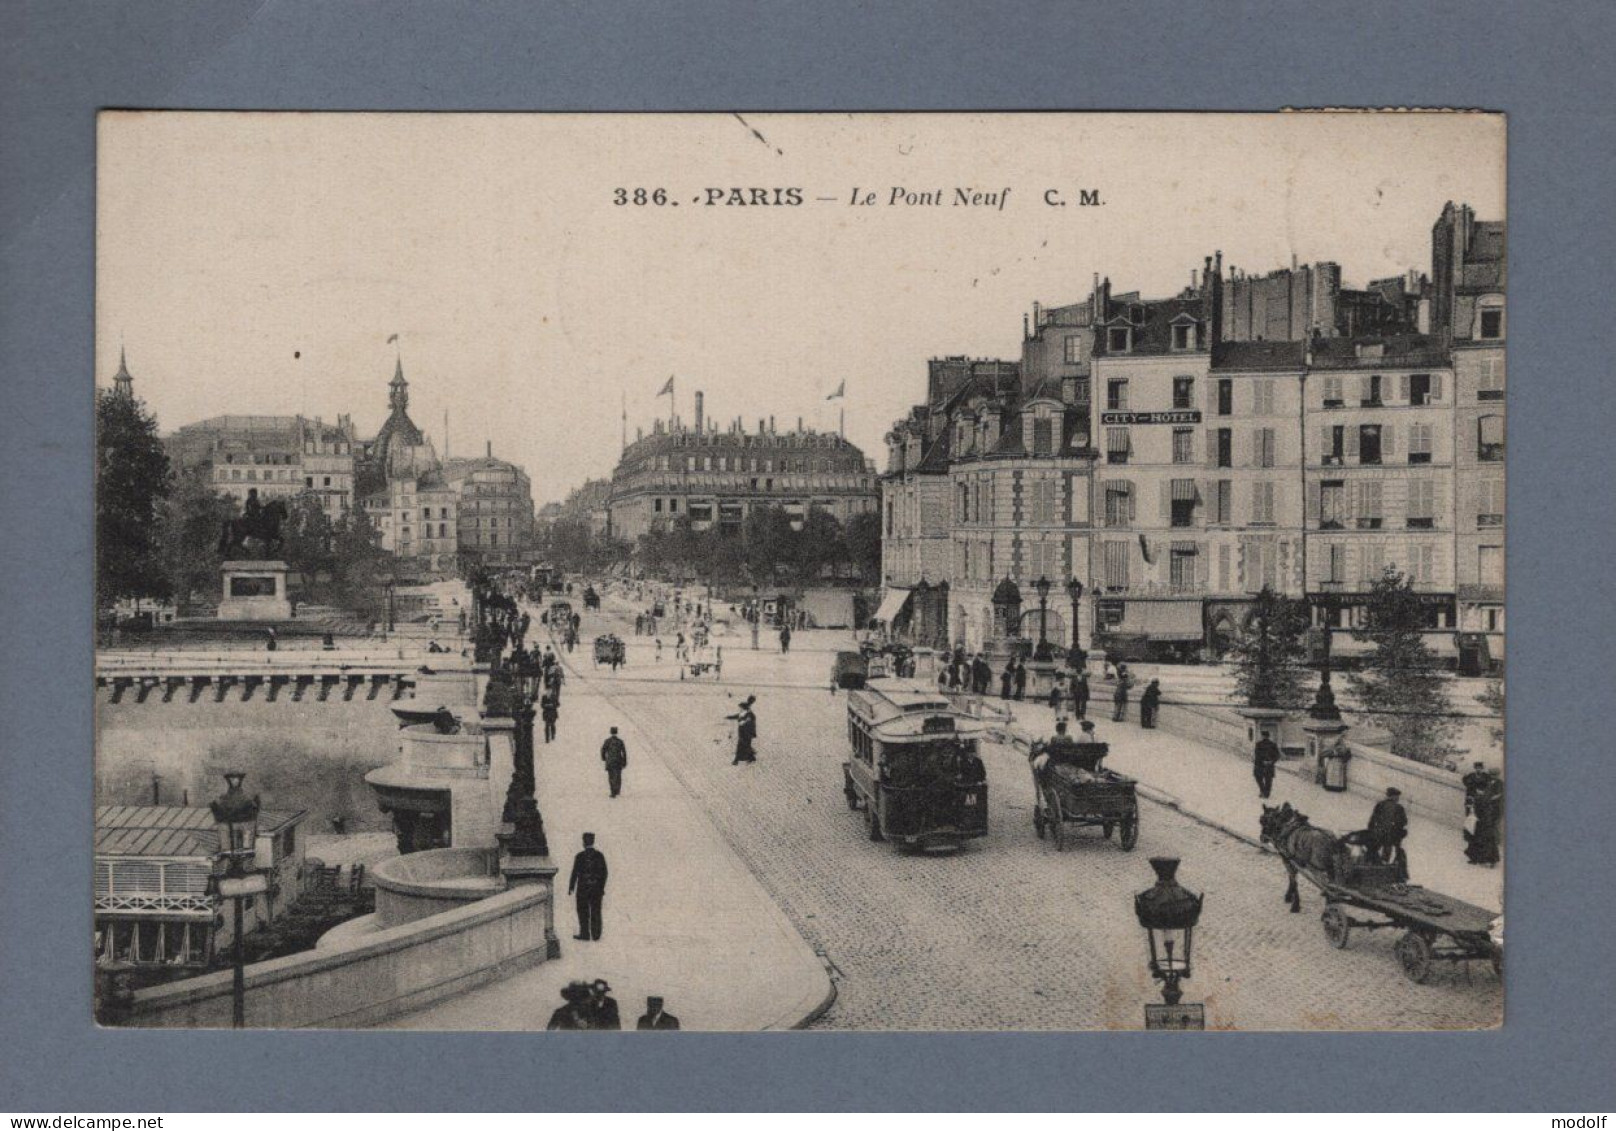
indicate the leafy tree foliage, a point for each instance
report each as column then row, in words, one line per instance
column 1493, row 699
column 864, row 545
column 132, row 480
column 189, row 523
column 1401, row 685
column 1269, row 654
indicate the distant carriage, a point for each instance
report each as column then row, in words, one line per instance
column 1071, row 789
column 609, row 650
column 591, row 598
column 916, row 771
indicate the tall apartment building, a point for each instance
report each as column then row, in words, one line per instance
column 495, row 509
column 279, row 457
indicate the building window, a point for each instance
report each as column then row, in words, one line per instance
column 1490, row 502
column 1263, row 442
column 1338, row 564
column 1182, row 567
column 1043, row 436
column 1225, row 442
column 1262, row 504
column 1225, row 397
column 1074, row 349
column 1490, row 565
column 1334, row 453
column 1369, row 444
column 1492, row 323
column 1419, row 389
column 656, row 506
column 1334, row 394
column 1183, row 391
column 1116, row 394
column 1183, row 445
column 1262, row 396
column 1490, row 380
column 1223, row 502
column 1421, row 504
column 1371, row 391
column 673, row 506
column 1184, row 498
column 1490, row 438
column 1117, row 445
column 1422, row 564
column 1369, row 504
column 1115, row 565
column 1332, row 504
column 1371, row 562
column 1118, row 504
column 1116, row 339
column 1044, row 502
column 1183, row 336
column 1419, row 443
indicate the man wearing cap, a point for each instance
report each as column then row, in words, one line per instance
column 588, row 885
column 1388, row 825
column 745, row 731
column 1264, row 760
column 615, row 754
column 655, row 1017
column 603, row 1007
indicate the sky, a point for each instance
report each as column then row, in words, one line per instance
column 259, row 262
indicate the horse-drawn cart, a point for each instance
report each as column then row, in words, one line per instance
column 703, row 661
column 1351, row 877
column 1072, row 789
column 610, row 650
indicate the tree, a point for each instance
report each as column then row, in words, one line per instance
column 189, row 523
column 357, row 559
column 821, row 545
column 1493, row 699
column 307, row 543
column 132, row 479
column 864, row 545
column 1270, row 653
column 1401, row 687
column 770, row 545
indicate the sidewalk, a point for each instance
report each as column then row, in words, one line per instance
column 684, row 919
column 1217, row 787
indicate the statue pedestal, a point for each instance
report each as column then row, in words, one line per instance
column 255, row 590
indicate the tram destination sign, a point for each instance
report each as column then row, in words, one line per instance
column 1182, row 416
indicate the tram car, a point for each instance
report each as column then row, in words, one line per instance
column 916, row 770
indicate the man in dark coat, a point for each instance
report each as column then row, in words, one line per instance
column 614, row 753
column 588, row 884
column 1264, row 759
column 1474, row 782
column 983, row 673
column 1021, row 679
column 602, row 1007
column 575, row 1013
column 1149, row 703
column 655, row 1017
column 785, row 639
column 1006, row 678
column 745, row 731
column 1080, row 695
column 549, row 711
column 1119, row 698
column 1388, row 825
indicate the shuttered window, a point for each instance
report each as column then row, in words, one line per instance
column 1115, row 565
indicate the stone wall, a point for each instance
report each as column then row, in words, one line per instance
column 370, row 977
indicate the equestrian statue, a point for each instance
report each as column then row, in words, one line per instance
column 257, row 533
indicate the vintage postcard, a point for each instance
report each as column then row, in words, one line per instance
column 733, row 572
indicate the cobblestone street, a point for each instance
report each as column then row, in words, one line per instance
column 1006, row 933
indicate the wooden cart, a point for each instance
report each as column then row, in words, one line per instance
column 1072, row 790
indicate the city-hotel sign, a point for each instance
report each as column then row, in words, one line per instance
column 1184, row 416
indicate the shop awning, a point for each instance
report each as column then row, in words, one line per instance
column 892, row 603
column 1161, row 619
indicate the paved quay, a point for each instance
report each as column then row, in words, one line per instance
column 684, row 919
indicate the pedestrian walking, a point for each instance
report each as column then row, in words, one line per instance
column 1080, row 695
column 1488, row 806
column 1021, row 679
column 655, row 1017
column 1006, row 678
column 587, row 885
column 785, row 639
column 574, row 1013
column 745, row 731
column 602, row 1007
column 1388, row 826
column 614, row 753
column 1149, row 704
column 549, row 711
column 1264, row 760
column 982, row 674
column 1057, row 689
column 1119, row 698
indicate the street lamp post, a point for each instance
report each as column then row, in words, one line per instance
column 1168, row 912
column 1074, row 590
column 1043, row 653
column 238, row 814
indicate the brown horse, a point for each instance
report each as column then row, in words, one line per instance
column 1318, row 852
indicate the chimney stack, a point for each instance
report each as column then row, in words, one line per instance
column 698, row 410
column 490, row 449
column 771, row 424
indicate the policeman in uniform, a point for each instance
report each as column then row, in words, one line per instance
column 588, row 884
column 615, row 754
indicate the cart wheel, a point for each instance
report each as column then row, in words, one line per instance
column 852, row 799
column 1130, row 834
column 1414, row 952
column 872, row 821
column 1337, row 929
column 1105, row 829
column 1038, row 820
column 1056, row 818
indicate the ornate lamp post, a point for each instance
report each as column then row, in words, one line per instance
column 238, row 814
column 1168, row 913
column 1074, row 590
column 1043, row 652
